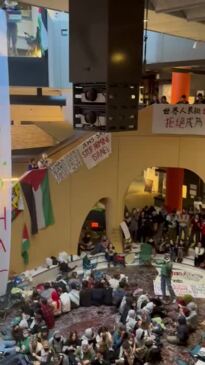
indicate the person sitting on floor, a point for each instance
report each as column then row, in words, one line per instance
column 74, row 295
column 65, row 301
column 182, row 333
column 85, row 295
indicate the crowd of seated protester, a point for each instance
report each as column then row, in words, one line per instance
column 135, row 339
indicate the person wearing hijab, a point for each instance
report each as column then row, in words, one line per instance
column 131, row 321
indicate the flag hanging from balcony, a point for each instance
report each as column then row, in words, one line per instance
column 42, row 33
column 25, row 245
column 35, row 186
column 17, row 200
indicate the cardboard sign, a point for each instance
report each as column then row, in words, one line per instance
column 95, row 149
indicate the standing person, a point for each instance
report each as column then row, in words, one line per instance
column 199, row 254
column 183, row 224
column 203, row 232
column 163, row 100
column 183, row 100
column 166, row 277
column 134, row 225
column 195, row 230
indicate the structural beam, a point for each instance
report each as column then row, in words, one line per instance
column 60, row 5
column 196, row 14
column 169, row 6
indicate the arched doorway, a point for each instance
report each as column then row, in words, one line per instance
column 94, row 228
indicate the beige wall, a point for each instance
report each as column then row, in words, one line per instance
column 73, row 198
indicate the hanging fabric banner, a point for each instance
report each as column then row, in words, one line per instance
column 5, row 159
column 95, row 149
column 66, row 165
column 17, row 200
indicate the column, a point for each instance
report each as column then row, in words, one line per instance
column 174, row 184
column 180, row 86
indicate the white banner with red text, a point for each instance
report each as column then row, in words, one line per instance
column 95, row 149
column 5, row 159
column 189, row 280
column 179, row 119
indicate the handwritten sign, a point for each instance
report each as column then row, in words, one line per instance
column 179, row 119
column 5, row 159
column 66, row 166
column 95, row 149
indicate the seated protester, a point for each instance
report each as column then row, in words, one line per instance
column 57, row 342
column 45, row 355
column 182, row 333
column 89, row 336
column 131, row 321
column 127, row 353
column 55, row 303
column 147, row 310
column 100, row 246
column 87, row 264
column 65, row 301
column 38, row 322
column 118, row 337
column 191, row 316
column 125, row 306
column 99, row 359
column 35, row 348
column 23, row 345
column 118, row 294
column 25, row 320
column 85, row 354
column 74, row 295
column 142, row 301
column 73, row 341
column 47, row 313
column 74, row 280
column 108, row 294
column 46, row 293
column 104, row 337
column 115, row 280
column 85, row 295
column 65, row 269
column 110, row 254
column 153, row 353
column 98, row 294
column 140, row 340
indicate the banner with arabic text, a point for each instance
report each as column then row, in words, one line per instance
column 179, row 119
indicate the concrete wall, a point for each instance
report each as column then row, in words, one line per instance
column 73, row 198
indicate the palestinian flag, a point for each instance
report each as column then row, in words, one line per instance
column 35, row 186
column 25, row 245
column 42, row 33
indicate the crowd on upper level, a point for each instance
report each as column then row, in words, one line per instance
column 183, row 100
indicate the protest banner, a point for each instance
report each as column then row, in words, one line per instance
column 178, row 119
column 95, row 149
column 66, row 165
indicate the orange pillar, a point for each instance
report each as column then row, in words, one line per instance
column 180, row 86
column 174, row 184
column 175, row 176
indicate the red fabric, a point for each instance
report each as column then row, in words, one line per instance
column 48, row 315
column 25, row 234
column 203, row 229
column 34, row 178
column 55, row 298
